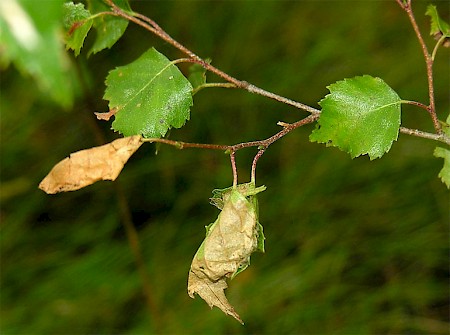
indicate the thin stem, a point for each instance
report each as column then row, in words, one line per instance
column 211, row 85
column 181, row 60
column 94, row 16
column 401, row 3
column 415, row 103
column 254, row 89
column 436, row 47
column 184, row 145
column 287, row 128
column 255, row 161
column 418, row 133
column 233, row 167
column 429, row 64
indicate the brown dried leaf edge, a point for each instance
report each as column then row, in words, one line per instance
column 86, row 167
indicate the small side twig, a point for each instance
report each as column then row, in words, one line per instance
column 234, row 168
column 418, row 104
column 211, row 85
column 418, row 133
column 255, row 161
column 288, row 127
column 262, row 144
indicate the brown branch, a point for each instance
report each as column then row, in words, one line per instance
column 418, row 133
column 234, row 168
column 428, row 61
column 418, row 104
column 262, row 144
column 151, row 26
column 287, row 128
column 255, row 161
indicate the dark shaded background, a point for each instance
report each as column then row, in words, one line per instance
column 353, row 246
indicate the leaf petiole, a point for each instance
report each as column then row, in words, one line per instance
column 436, row 47
column 212, row 85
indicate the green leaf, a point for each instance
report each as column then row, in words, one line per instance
column 360, row 116
column 438, row 26
column 76, row 25
column 150, row 95
column 444, row 174
column 30, row 38
column 109, row 28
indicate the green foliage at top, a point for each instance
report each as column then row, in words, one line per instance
column 108, row 28
column 151, row 95
column 30, row 38
column 360, row 116
column 438, row 26
column 76, row 25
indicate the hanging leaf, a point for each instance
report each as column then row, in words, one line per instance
column 226, row 250
column 360, row 116
column 438, row 27
column 249, row 190
column 76, row 24
column 85, row 167
column 109, row 28
column 150, row 96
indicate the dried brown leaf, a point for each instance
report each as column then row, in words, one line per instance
column 106, row 116
column 211, row 291
column 85, row 167
column 226, row 250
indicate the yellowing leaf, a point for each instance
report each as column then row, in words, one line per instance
column 85, row 167
column 226, row 250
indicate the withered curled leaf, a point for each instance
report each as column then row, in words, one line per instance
column 229, row 242
column 85, row 167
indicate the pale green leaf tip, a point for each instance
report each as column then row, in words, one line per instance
column 438, row 25
column 444, row 174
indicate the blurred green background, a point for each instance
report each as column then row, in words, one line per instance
column 353, row 246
